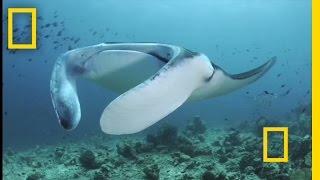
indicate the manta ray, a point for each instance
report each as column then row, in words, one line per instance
column 153, row 80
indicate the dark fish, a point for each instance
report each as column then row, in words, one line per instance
column 283, row 85
column 278, row 75
column 268, row 93
column 29, row 59
column 47, row 25
column 288, row 91
column 247, row 92
column 94, row 33
column 77, row 40
column 55, row 24
column 69, row 47
column 15, row 30
column 46, row 36
column 59, row 33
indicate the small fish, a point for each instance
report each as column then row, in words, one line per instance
column 278, row 75
column 268, row 93
column 288, row 91
column 283, row 85
column 77, row 40
column 29, row 59
column 47, row 25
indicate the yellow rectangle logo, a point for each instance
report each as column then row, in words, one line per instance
column 33, row 12
column 266, row 130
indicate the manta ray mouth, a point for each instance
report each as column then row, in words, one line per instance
column 66, row 124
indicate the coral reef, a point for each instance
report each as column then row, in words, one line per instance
column 193, row 152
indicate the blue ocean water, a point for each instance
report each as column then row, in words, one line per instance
column 236, row 35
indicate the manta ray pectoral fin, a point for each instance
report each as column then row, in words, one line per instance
column 152, row 100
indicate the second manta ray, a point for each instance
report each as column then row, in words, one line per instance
column 153, row 79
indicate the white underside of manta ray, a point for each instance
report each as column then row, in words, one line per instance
column 153, row 79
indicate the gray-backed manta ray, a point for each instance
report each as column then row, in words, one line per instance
column 153, row 80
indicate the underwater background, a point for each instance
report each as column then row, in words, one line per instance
column 237, row 35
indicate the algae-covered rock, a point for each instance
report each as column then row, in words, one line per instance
column 233, row 139
column 167, row 135
column 300, row 174
column 179, row 158
column 299, row 148
column 59, row 152
column 35, row 176
column 210, row 175
column 247, row 160
column 151, row 172
column 99, row 176
column 125, row 150
column 196, row 126
column 88, row 160
column 308, row 160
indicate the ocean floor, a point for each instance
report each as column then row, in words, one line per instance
column 193, row 152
